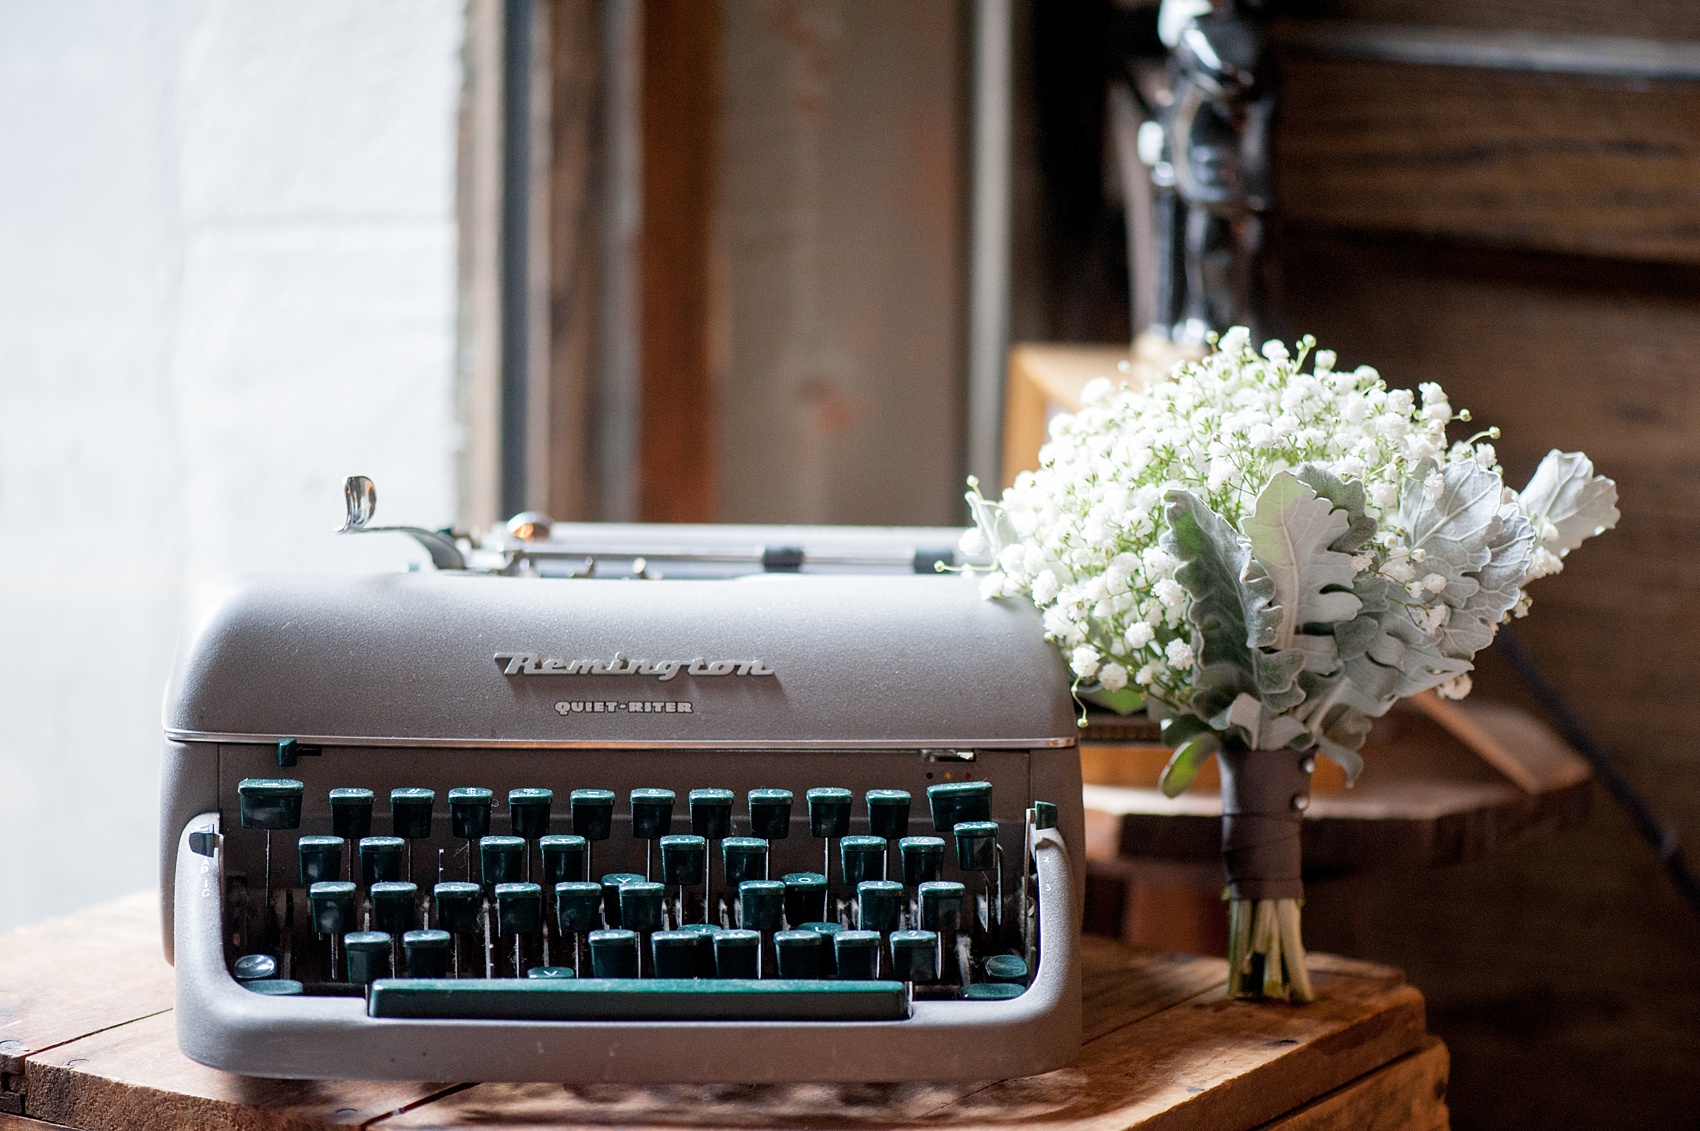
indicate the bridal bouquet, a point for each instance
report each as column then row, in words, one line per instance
column 1265, row 558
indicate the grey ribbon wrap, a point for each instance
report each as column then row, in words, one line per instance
column 1264, row 795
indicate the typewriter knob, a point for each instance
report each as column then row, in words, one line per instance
column 530, row 526
column 563, row 858
column 614, row 954
column 1044, row 815
column 888, row 813
column 914, row 956
column 611, row 885
column 992, row 991
column 270, row 803
column 592, row 812
column 829, row 932
column 745, row 858
column 253, row 967
column 704, row 934
column 799, row 953
column 923, row 859
column 551, row 972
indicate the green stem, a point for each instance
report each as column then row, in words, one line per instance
column 1266, row 954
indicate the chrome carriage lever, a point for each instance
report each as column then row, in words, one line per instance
column 361, row 496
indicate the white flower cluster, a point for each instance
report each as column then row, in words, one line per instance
column 1080, row 536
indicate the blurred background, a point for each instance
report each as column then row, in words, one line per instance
column 764, row 261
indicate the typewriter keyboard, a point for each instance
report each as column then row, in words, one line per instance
column 643, row 903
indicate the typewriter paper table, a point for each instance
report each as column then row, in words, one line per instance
column 86, row 1041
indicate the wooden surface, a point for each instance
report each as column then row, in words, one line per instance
column 87, row 999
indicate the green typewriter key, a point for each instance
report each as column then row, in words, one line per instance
column 368, row 956
column 976, row 845
column 857, row 954
column 275, row 987
column 1008, row 968
column 829, row 932
column 888, row 813
column 611, row 885
column 941, row 906
column 770, row 814
column 682, row 860
column 799, row 954
column 744, row 859
column 1044, row 815
column 652, row 819
column 395, row 907
column 469, row 818
column 614, row 954
column 428, row 954
column 457, row 906
column 331, row 905
column 673, row 954
column 914, row 956
column 563, row 859
column 879, row 905
column 519, row 913
column 410, row 812
column 761, row 905
column 253, row 967
column 711, row 813
column 829, row 818
column 860, row 858
column 501, row 859
column 592, row 815
column 551, row 972
column 270, row 803
column 704, row 934
column 923, row 859
column 528, row 811
column 737, row 954
column 321, row 859
column 805, row 897
column 640, row 906
column 953, row 802
column 991, row 991
column 380, row 859
column 578, row 907
column 351, row 818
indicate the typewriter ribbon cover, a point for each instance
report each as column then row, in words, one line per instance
column 446, row 825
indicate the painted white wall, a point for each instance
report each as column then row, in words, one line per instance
column 226, row 282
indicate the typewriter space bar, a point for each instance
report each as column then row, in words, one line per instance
column 634, row 999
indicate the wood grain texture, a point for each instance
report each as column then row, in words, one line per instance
column 676, row 478
column 1654, row 19
column 1566, row 164
column 1407, row 1095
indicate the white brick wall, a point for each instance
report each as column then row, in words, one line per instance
column 226, row 281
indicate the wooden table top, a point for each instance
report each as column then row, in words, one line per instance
column 87, row 1041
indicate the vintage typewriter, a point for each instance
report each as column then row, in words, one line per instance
column 641, row 804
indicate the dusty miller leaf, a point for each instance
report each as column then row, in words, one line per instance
column 1296, row 579
column 1212, row 556
column 1565, row 492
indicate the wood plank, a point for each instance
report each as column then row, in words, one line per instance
column 1407, row 1095
column 78, row 974
column 1655, row 19
column 1568, row 164
column 1121, row 986
column 133, row 1078
column 676, row 478
column 24, row 1123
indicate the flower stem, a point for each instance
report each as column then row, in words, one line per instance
column 1266, row 954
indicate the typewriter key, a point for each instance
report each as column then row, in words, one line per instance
column 879, row 905
column 457, row 906
column 914, row 956
column 611, row 885
column 519, row 913
column 737, row 954
column 469, row 818
column 992, row 991
column 551, row 972
column 1008, row 968
column 745, row 858
column 888, row 813
column 351, row 818
column 428, row 954
column 269, row 804
column 652, row 819
column 528, row 813
column 410, row 812
column 501, row 859
column 799, row 953
column 829, row 932
column 977, row 851
column 861, row 858
column 368, row 956
column 592, row 813
column 331, row 904
column 683, row 864
column 380, row 859
column 770, row 814
column 829, row 818
column 704, row 934
column 395, row 907
column 614, row 954
column 951, row 803
column 563, row 859
column 923, row 859
column 761, row 905
column 578, row 907
column 711, row 819
column 1044, row 815
column 857, row 954
column 805, row 897
column 275, row 987
column 941, row 906
column 253, row 967
column 673, row 954
column 321, row 859
column 640, row 906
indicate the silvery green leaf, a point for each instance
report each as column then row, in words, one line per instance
column 1296, row 580
column 1347, row 495
column 1212, row 555
column 1565, row 492
column 1475, row 614
column 1453, row 527
column 1264, row 729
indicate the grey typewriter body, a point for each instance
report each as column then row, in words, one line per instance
column 436, row 681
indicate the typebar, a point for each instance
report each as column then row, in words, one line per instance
column 631, row 999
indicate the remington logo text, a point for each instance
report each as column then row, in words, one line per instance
column 529, row 663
